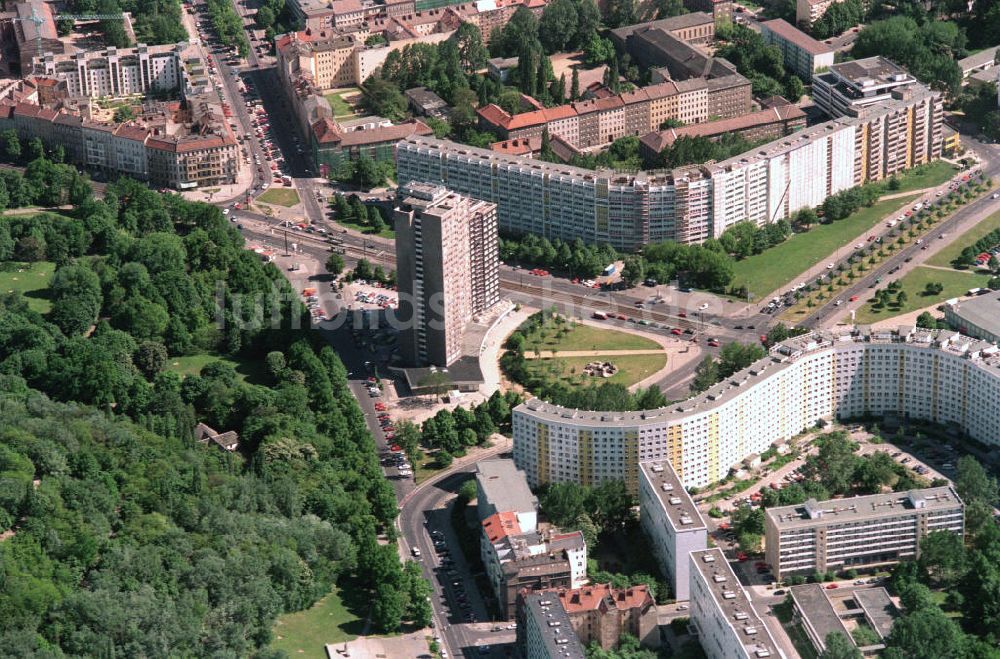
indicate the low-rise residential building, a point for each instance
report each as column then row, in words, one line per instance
column 976, row 317
column 426, row 103
column 544, row 630
column 803, row 54
column 503, row 488
column 767, row 124
column 725, row 621
column 859, row 532
column 601, row 614
column 499, row 68
column 984, row 60
column 514, row 560
column 821, row 612
column 671, row 521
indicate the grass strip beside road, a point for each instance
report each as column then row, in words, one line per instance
column 930, row 175
column 588, row 337
column 280, row 197
column 955, row 284
column 951, row 251
column 777, row 267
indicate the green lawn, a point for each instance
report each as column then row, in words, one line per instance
column 32, row 281
column 305, row 633
column 586, row 337
column 926, row 176
column 776, row 267
column 246, row 370
column 631, row 368
column 341, row 108
column 955, row 283
column 953, row 249
column 279, row 196
column 385, row 233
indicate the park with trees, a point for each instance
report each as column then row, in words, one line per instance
column 121, row 535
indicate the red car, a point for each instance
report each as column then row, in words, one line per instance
column 831, row 586
column 713, row 343
column 682, row 314
column 854, row 298
column 741, row 556
column 620, row 316
column 676, row 331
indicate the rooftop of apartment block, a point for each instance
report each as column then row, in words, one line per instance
column 981, row 353
column 674, row 499
column 863, row 508
column 871, row 71
column 555, row 629
column 327, row 131
column 505, row 486
column 732, row 601
column 794, row 35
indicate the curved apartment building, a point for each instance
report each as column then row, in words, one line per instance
column 686, row 204
column 941, row 376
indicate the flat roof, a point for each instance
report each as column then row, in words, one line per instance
column 857, row 509
column 875, row 68
column 505, row 486
column 817, row 611
column 555, row 627
column 733, row 602
column 879, row 609
column 983, row 311
column 674, row 499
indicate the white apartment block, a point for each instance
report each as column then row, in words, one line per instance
column 447, row 254
column 116, row 71
column 860, row 532
column 721, row 613
column 690, row 204
column 939, row 376
column 671, row 521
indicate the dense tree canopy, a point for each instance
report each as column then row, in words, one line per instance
column 928, row 50
column 133, row 540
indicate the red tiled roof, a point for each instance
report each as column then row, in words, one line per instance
column 519, row 146
column 495, row 115
column 136, row 133
column 326, row 131
column 599, row 596
column 500, row 525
